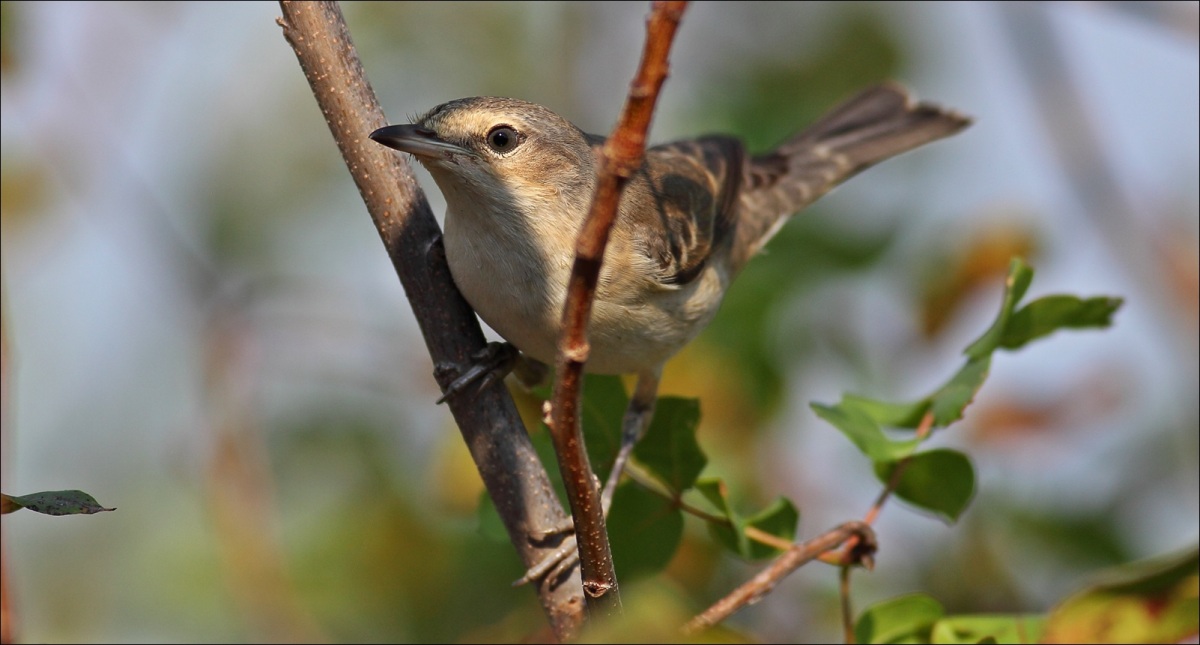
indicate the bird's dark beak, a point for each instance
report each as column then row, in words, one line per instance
column 417, row 140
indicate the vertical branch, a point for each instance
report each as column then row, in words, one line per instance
column 847, row 610
column 620, row 158
column 488, row 420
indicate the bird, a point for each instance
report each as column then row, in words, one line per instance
column 518, row 181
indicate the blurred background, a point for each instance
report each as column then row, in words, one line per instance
column 202, row 329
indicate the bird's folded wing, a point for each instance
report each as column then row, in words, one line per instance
column 694, row 185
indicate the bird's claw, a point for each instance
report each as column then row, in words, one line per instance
column 490, row 364
column 554, row 565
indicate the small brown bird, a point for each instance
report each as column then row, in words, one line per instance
column 518, row 181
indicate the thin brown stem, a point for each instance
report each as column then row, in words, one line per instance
column 654, row 487
column 846, row 557
column 762, row 537
column 795, row 557
column 620, row 158
column 488, row 420
column 651, row 485
column 847, row 610
column 851, row 553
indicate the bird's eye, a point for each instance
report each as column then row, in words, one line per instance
column 503, row 139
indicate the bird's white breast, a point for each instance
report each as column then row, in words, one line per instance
column 516, row 281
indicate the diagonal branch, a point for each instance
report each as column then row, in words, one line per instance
column 621, row 157
column 507, row 462
column 857, row 542
column 798, row 555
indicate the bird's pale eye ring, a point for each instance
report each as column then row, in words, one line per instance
column 503, row 139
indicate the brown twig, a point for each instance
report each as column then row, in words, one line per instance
column 858, row 547
column 655, row 488
column 798, row 555
column 847, row 610
column 621, row 157
column 488, row 420
column 846, row 559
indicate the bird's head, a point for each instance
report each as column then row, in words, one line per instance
column 499, row 153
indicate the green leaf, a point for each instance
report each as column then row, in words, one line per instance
column 942, row 481
column 644, row 529
column 862, row 430
column 56, row 502
column 1015, row 285
column 859, row 418
column 778, row 519
column 1153, row 600
column 952, row 399
column 604, row 403
column 892, row 415
column 669, row 450
column 713, row 490
column 1051, row 313
column 906, row 619
column 998, row 628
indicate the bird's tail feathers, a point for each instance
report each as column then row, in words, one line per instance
column 878, row 123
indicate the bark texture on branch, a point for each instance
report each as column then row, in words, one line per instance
column 487, row 418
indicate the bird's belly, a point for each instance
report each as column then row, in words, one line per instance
column 624, row 340
column 512, row 295
column 631, row 337
column 522, row 300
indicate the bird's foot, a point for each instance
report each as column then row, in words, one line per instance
column 555, row 565
column 487, row 366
